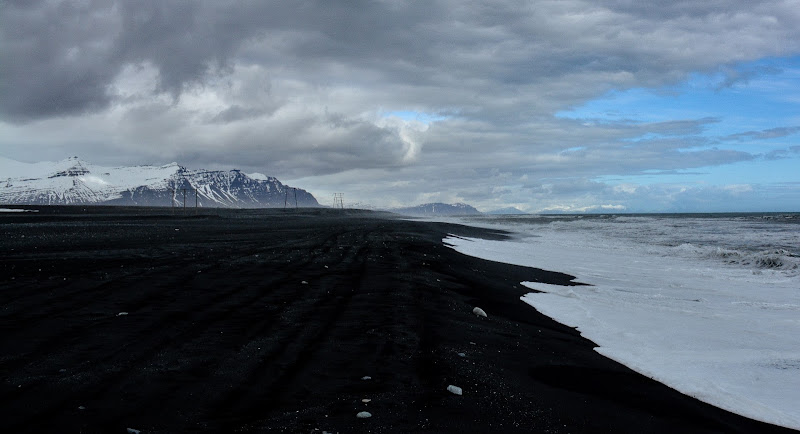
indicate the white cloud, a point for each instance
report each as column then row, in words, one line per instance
column 625, row 188
column 738, row 188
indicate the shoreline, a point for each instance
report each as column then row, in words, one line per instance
column 267, row 320
column 702, row 328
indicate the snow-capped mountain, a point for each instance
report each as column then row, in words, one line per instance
column 438, row 209
column 73, row 181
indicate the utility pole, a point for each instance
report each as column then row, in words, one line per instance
column 285, row 198
column 295, row 198
column 184, row 201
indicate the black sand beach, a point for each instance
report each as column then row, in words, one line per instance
column 267, row 321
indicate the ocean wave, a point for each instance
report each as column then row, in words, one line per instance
column 771, row 259
column 766, row 245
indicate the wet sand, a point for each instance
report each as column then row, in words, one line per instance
column 268, row 321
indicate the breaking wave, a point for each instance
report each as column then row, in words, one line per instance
column 771, row 259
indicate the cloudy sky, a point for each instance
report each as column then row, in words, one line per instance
column 542, row 105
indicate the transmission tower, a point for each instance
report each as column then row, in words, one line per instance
column 338, row 200
column 184, row 190
column 286, row 197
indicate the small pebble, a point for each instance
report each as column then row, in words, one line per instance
column 462, row 354
column 478, row 311
column 81, row 408
column 363, row 414
column 122, row 313
column 454, row 390
column 304, row 282
column 366, row 400
column 366, row 377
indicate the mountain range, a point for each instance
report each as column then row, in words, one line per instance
column 73, row 182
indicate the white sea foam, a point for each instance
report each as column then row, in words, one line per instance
column 752, row 241
column 682, row 300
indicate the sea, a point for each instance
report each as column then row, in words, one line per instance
column 708, row 304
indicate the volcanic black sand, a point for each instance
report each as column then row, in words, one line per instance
column 269, row 321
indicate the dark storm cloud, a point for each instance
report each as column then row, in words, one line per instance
column 55, row 58
column 66, row 54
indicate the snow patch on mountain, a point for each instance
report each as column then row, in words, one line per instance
column 259, row 176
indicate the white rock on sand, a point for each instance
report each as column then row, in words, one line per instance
column 478, row 311
column 454, row 390
column 364, row 415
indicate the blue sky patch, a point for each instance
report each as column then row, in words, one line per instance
column 755, row 108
